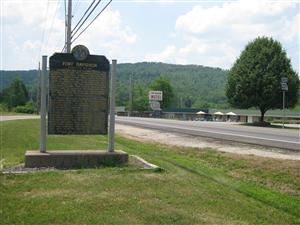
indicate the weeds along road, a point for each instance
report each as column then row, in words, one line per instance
column 271, row 137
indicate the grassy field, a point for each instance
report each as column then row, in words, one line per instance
column 195, row 187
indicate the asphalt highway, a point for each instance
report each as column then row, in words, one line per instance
column 271, row 137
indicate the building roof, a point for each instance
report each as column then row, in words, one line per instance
column 184, row 110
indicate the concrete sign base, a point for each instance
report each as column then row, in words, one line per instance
column 75, row 159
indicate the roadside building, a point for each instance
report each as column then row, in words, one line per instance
column 218, row 115
column 252, row 115
column 184, row 114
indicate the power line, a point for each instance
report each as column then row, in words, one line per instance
column 44, row 28
column 75, row 31
column 76, row 7
column 84, row 15
column 61, row 36
column 91, row 22
column 53, row 18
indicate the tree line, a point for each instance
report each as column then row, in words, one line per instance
column 194, row 86
column 16, row 98
column 252, row 82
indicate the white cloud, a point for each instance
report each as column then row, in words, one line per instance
column 108, row 35
column 24, row 23
column 243, row 12
column 195, row 45
column 215, row 35
column 167, row 55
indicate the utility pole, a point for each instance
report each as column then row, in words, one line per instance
column 38, row 89
column 283, row 107
column 181, row 102
column 69, row 24
column 130, row 95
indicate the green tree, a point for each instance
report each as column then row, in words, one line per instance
column 162, row 84
column 15, row 95
column 140, row 98
column 254, row 80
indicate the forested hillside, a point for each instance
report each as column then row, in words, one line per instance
column 194, row 86
column 29, row 77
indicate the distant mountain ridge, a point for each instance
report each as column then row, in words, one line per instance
column 194, row 85
column 27, row 76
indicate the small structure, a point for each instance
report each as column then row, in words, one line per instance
column 231, row 116
column 183, row 113
column 218, row 116
column 201, row 115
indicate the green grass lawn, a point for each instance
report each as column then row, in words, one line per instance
column 196, row 186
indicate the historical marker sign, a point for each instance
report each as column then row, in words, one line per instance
column 78, row 93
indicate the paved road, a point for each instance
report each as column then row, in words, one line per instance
column 272, row 137
column 18, row 117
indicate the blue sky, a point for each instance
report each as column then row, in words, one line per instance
column 209, row 33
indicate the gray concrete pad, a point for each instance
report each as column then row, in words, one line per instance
column 68, row 159
column 143, row 163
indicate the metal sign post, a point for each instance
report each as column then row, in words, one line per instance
column 283, row 107
column 111, row 133
column 43, row 105
column 284, row 88
column 154, row 100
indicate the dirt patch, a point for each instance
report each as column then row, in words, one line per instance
column 184, row 140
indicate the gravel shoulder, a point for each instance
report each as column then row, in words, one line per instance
column 183, row 140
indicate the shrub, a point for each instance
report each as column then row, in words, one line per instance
column 3, row 107
column 28, row 108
